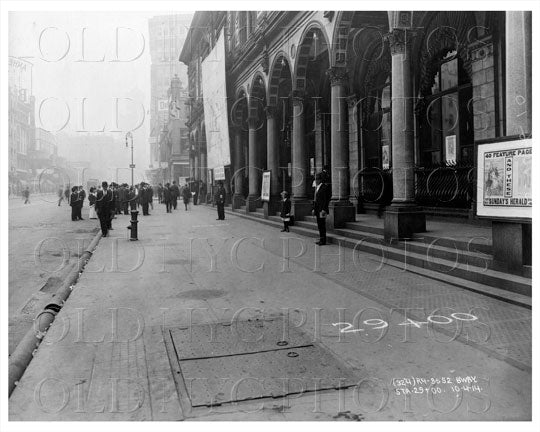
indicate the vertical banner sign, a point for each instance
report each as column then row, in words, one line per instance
column 265, row 189
column 215, row 106
column 505, row 179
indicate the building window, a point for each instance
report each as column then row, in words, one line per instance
column 446, row 122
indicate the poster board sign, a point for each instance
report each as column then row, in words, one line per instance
column 214, row 84
column 219, row 173
column 450, row 148
column 265, row 188
column 504, row 179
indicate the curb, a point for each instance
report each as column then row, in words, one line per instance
column 23, row 354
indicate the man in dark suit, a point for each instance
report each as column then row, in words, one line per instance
column 144, row 195
column 74, row 203
column 175, row 193
column 104, row 207
column 220, row 201
column 82, row 196
column 320, row 206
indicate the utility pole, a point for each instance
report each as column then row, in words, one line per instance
column 132, row 166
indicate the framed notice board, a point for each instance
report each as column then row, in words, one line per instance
column 504, row 179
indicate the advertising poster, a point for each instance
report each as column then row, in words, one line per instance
column 265, row 189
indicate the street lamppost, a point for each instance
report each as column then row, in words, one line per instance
column 132, row 165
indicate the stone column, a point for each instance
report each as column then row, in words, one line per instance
column 512, row 241
column 239, row 169
column 254, row 172
column 341, row 209
column 300, row 205
column 318, row 142
column 518, row 73
column 272, row 162
column 403, row 217
column 353, row 150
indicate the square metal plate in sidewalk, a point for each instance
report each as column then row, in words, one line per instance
column 227, row 366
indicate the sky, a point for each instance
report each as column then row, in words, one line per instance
column 85, row 65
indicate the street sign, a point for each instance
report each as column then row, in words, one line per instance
column 132, row 165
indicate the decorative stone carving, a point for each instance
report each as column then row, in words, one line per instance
column 297, row 97
column 399, row 40
column 329, row 15
column 338, row 76
column 270, row 111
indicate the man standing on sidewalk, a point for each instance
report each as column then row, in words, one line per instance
column 60, row 196
column 175, row 193
column 104, row 202
column 82, row 196
column 320, row 206
column 74, row 203
column 26, row 195
column 220, row 201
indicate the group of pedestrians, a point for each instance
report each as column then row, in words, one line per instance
column 76, row 202
column 169, row 194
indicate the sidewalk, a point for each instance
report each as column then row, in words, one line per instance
column 105, row 356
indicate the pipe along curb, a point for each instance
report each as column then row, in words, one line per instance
column 23, row 354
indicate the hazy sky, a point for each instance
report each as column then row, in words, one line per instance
column 100, row 56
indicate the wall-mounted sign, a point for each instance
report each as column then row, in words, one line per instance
column 504, row 179
column 219, row 173
column 265, row 188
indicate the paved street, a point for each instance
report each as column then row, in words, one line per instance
column 43, row 245
column 117, row 350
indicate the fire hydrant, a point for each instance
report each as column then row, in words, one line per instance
column 133, row 227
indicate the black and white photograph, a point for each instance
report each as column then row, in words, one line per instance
column 276, row 215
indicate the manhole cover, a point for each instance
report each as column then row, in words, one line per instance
column 223, row 363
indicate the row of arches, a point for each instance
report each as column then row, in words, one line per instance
column 358, row 61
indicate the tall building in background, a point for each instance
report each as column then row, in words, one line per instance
column 21, row 123
column 167, row 35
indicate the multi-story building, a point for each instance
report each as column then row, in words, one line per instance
column 394, row 106
column 167, row 35
column 21, row 125
column 45, row 150
column 202, row 37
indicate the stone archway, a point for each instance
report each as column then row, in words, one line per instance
column 279, row 125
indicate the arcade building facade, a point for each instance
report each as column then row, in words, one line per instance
column 392, row 104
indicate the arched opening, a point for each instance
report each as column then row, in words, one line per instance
column 257, row 122
column 312, row 81
column 239, row 123
column 279, row 97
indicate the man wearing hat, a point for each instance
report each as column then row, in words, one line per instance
column 285, row 212
column 320, row 206
column 220, row 201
